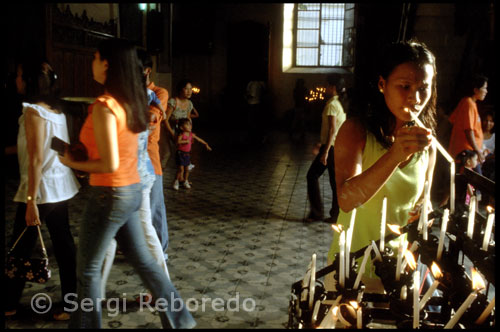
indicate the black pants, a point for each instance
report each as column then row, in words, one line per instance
column 315, row 171
column 55, row 216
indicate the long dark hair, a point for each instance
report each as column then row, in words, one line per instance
column 35, row 92
column 124, row 81
column 378, row 119
column 462, row 158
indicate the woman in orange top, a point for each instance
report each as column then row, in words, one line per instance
column 110, row 134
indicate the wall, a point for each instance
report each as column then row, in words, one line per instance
column 435, row 25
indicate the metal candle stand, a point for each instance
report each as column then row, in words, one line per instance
column 455, row 284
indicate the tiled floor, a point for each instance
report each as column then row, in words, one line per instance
column 237, row 235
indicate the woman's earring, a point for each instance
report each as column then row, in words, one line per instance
column 381, row 90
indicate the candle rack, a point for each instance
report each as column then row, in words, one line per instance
column 392, row 308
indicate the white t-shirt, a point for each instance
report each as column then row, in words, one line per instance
column 332, row 108
column 489, row 143
column 58, row 183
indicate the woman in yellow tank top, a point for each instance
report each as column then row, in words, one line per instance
column 378, row 155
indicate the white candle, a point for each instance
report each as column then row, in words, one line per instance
column 452, row 187
column 377, row 253
column 414, row 246
column 363, row 265
column 435, row 142
column 454, row 320
column 444, row 226
column 349, row 241
column 486, row 312
column 359, row 318
column 347, row 252
column 428, row 294
column 471, row 217
column 416, row 307
column 477, row 285
column 382, row 224
column 404, row 293
column 342, row 262
column 330, row 318
column 487, row 231
column 312, row 281
column 315, row 312
column 400, row 258
column 422, row 222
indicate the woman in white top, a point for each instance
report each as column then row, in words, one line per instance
column 45, row 187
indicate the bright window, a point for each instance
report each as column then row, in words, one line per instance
column 318, row 35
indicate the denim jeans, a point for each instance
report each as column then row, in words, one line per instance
column 150, row 236
column 159, row 213
column 113, row 212
column 313, row 193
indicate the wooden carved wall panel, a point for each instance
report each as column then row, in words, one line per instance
column 73, row 41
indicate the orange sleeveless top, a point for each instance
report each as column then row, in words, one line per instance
column 127, row 173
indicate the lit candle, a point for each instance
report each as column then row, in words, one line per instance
column 477, row 285
column 489, row 226
column 471, row 217
column 359, row 318
column 486, row 312
column 348, row 242
column 382, row 224
column 444, row 226
column 400, row 258
column 342, row 261
column 359, row 314
column 452, row 187
column 363, row 265
column 435, row 142
column 416, row 307
column 410, row 260
column 436, row 272
column 330, row 318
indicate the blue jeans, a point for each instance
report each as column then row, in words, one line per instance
column 113, row 212
column 159, row 213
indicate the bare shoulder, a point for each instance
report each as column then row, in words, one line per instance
column 351, row 133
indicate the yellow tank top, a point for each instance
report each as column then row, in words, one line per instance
column 402, row 190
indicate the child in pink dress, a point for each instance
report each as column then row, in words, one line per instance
column 184, row 141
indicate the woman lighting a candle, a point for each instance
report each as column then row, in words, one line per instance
column 379, row 155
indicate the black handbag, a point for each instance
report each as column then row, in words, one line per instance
column 28, row 269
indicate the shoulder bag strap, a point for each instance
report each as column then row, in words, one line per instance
column 44, row 250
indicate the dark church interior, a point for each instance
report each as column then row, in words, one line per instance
column 240, row 233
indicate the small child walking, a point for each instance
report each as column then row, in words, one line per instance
column 183, row 142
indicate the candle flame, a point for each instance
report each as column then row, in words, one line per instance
column 490, row 209
column 337, row 228
column 195, row 89
column 354, row 304
column 477, row 281
column 410, row 259
column 436, row 271
column 394, row 228
column 335, row 310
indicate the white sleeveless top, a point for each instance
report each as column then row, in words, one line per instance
column 58, row 183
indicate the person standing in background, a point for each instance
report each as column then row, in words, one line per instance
column 467, row 132
column 333, row 117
